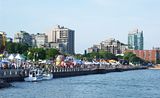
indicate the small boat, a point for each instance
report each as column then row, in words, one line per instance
column 34, row 75
column 38, row 75
column 47, row 76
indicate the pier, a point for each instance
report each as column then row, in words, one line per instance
column 11, row 75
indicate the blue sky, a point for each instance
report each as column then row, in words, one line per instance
column 92, row 20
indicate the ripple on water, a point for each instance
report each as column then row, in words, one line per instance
column 129, row 84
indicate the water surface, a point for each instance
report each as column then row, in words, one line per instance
column 129, row 84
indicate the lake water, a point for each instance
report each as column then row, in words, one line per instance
column 129, row 84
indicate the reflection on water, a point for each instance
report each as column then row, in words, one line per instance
column 129, row 84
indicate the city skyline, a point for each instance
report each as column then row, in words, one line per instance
column 92, row 20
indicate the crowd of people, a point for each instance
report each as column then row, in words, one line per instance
column 60, row 61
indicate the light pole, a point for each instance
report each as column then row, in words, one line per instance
column 35, row 56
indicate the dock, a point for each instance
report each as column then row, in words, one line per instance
column 12, row 75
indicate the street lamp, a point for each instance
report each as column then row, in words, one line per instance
column 35, row 56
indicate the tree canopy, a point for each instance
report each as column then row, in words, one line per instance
column 41, row 53
column 31, row 53
column 131, row 57
column 16, row 47
column 97, row 55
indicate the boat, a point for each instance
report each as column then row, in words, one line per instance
column 47, row 76
column 34, row 75
column 38, row 75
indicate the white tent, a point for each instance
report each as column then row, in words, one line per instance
column 19, row 57
column 5, row 61
column 11, row 57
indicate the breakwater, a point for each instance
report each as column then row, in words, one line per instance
column 11, row 75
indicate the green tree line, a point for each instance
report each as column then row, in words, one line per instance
column 128, row 56
column 31, row 53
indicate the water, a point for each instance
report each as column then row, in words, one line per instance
column 129, row 84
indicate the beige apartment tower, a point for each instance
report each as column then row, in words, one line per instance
column 63, row 36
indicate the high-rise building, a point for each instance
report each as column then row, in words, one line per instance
column 63, row 36
column 135, row 40
column 23, row 37
column 41, row 40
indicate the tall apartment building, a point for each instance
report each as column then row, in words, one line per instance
column 63, row 36
column 110, row 45
column 40, row 40
column 23, row 37
column 135, row 40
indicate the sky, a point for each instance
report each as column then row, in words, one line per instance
column 92, row 20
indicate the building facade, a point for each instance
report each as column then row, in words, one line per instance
column 148, row 55
column 110, row 45
column 63, row 36
column 58, row 46
column 94, row 48
column 135, row 40
column 40, row 40
column 23, row 37
column 33, row 40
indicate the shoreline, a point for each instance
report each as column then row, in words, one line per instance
column 156, row 67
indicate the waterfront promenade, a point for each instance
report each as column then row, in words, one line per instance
column 11, row 75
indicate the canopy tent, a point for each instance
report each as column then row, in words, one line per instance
column 11, row 57
column 19, row 60
column 5, row 61
column 88, row 63
column 19, row 57
column 78, row 62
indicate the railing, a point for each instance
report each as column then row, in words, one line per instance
column 25, row 72
column 13, row 73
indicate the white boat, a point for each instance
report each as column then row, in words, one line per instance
column 47, row 76
column 34, row 75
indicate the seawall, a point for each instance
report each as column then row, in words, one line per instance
column 19, row 74
column 4, row 84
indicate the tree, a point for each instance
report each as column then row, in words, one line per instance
column 51, row 53
column 79, row 56
column 106, row 55
column 128, row 56
column 158, row 62
column 131, row 57
column 99, row 55
column 40, row 53
column 10, row 47
column 119, row 57
column 37, row 53
column 16, row 47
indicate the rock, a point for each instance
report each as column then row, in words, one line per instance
column 4, row 84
